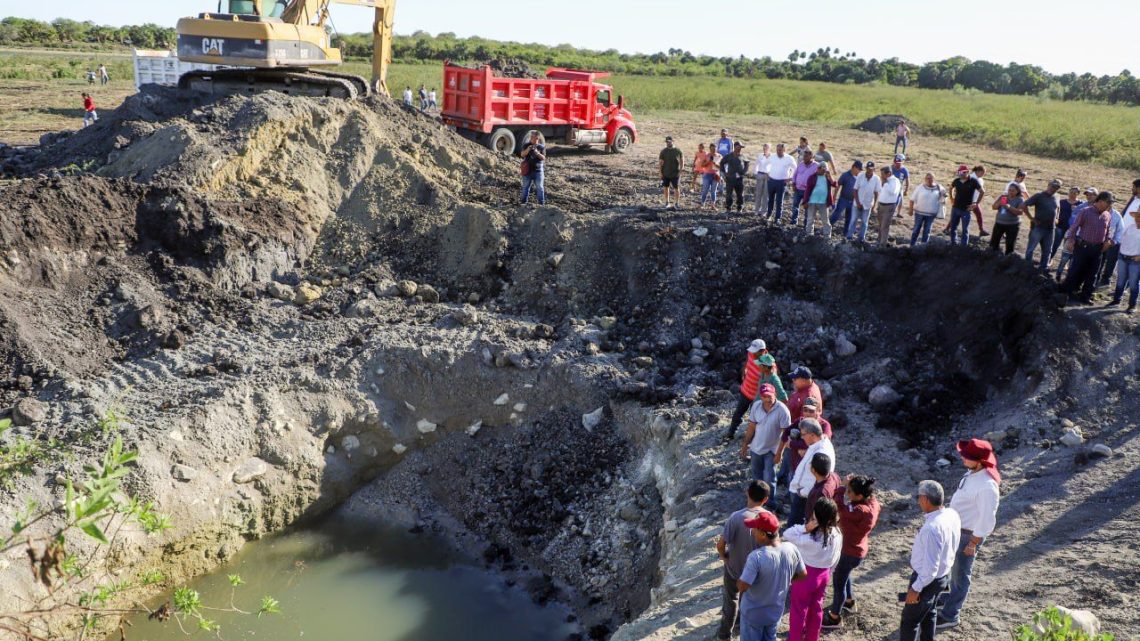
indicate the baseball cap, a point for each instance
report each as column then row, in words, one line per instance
column 757, row 346
column 1021, row 172
column 738, row 144
column 963, row 169
column 801, row 372
column 766, row 389
column 766, row 360
column 810, row 402
column 668, row 138
column 1091, row 190
column 899, row 157
column 1106, row 196
column 1056, row 183
column 765, row 521
column 870, row 163
column 858, row 164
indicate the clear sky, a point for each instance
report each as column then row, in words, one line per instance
column 1041, row 32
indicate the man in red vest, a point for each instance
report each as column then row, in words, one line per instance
column 750, row 380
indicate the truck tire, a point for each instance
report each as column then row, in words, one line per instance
column 525, row 138
column 623, row 140
column 502, row 140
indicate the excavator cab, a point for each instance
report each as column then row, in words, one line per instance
column 269, row 8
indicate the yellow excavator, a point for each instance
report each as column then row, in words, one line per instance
column 280, row 45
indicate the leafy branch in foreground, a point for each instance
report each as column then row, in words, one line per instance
column 79, row 587
column 1053, row 625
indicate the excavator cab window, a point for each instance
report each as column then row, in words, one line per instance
column 604, row 98
column 269, row 8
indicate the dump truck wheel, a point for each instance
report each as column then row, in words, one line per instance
column 502, row 141
column 623, row 140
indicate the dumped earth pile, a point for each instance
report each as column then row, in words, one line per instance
column 512, row 68
column 299, row 304
column 885, row 124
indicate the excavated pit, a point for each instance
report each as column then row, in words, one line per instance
column 173, row 284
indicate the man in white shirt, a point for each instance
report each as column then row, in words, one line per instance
column 867, row 188
column 931, row 560
column 1110, row 258
column 763, row 167
column 976, row 503
column 802, row 480
column 888, row 200
column 766, row 422
column 781, row 168
column 1128, row 261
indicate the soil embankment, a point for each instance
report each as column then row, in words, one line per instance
column 293, row 301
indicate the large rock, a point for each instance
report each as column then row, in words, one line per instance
column 844, row 347
column 365, row 308
column 306, row 293
column 465, row 315
column 279, row 291
column 425, row 426
column 29, row 411
column 883, row 396
column 428, row 294
column 1072, row 438
column 407, row 287
column 593, row 419
column 183, row 473
column 250, row 470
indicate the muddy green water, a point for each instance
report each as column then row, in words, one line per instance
column 346, row 582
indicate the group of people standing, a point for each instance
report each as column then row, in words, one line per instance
column 427, row 98
column 827, row 532
column 1093, row 238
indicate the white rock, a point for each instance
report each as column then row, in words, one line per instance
column 183, row 473
column 882, row 396
column 701, row 231
column 411, row 408
column 1083, row 620
column 399, row 448
column 1072, row 438
column 671, row 525
column 942, row 462
column 330, row 450
column 474, row 428
column 425, row 426
column 349, row 443
column 770, row 265
column 465, row 315
column 503, row 399
column 250, row 470
column 686, row 624
column 279, row 291
column 555, row 259
column 1100, row 449
column 519, row 407
column 176, row 436
column 844, row 347
column 592, row 419
column 379, row 371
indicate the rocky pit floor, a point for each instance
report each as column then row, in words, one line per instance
column 299, row 304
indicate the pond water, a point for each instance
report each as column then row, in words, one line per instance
column 348, row 582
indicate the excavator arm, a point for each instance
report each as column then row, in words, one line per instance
column 316, row 12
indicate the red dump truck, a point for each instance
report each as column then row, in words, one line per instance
column 567, row 107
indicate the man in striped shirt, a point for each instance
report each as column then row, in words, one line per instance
column 1086, row 239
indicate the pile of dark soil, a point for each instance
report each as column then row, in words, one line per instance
column 885, row 123
column 512, row 68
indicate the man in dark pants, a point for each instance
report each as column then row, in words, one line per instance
column 1087, row 238
column 733, row 547
column 1110, row 257
column 931, row 560
column 749, row 382
column 733, row 168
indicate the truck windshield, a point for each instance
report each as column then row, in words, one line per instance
column 604, row 97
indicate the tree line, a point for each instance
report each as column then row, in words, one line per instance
column 826, row 64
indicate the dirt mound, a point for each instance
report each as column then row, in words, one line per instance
column 885, row 123
column 512, row 68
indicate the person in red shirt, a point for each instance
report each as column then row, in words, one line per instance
column 804, row 387
column 858, row 515
column 749, row 382
column 827, row 482
column 90, row 116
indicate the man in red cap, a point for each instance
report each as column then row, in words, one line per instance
column 962, row 192
column 766, row 422
column 765, row 581
column 976, row 502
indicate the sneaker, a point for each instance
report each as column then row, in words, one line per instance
column 1131, row 309
column 850, row 607
column 984, row 233
column 1112, row 303
column 831, row 621
column 945, row 624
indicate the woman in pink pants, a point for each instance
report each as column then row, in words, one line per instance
column 819, row 543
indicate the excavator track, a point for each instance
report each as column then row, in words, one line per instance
column 252, row 81
column 362, row 87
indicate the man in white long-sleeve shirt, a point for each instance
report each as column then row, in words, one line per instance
column 763, row 168
column 802, row 480
column 931, row 561
column 976, row 503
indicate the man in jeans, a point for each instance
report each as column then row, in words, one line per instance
column 902, row 134
column 733, row 547
column 925, row 203
column 733, row 167
column 867, row 188
column 962, row 192
column 976, row 503
column 1044, row 205
column 845, row 196
column 888, row 200
column 806, row 170
column 534, row 153
column 765, row 581
column 1128, row 264
column 781, row 169
column 766, row 422
column 931, row 561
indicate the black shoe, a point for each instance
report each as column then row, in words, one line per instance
column 831, row 621
column 728, row 437
column 1131, row 309
column 1112, row 303
column 850, row 606
column 983, row 234
column 945, row 624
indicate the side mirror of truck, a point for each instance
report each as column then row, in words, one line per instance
column 621, row 102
